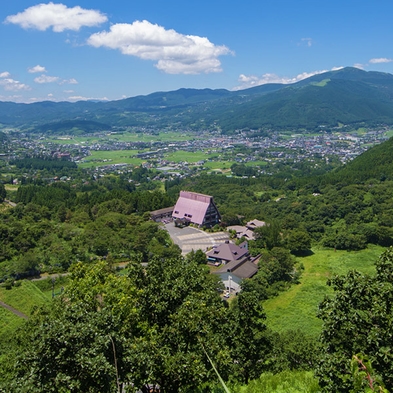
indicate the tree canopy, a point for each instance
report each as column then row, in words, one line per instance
column 358, row 320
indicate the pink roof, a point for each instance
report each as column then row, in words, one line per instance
column 192, row 206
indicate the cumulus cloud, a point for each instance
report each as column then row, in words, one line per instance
column 46, row 79
column 10, row 84
column 5, row 74
column 56, row 16
column 36, row 69
column 174, row 53
column 247, row 81
column 380, row 60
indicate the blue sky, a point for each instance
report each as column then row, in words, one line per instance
column 82, row 49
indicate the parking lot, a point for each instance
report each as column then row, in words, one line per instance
column 189, row 238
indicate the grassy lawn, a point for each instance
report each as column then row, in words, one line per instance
column 11, row 187
column 297, row 308
column 23, row 298
column 9, row 322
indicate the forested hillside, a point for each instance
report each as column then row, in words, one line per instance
column 347, row 96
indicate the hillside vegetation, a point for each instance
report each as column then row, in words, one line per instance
column 348, row 96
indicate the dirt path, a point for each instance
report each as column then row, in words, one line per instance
column 13, row 310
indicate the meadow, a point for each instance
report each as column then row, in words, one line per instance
column 297, row 308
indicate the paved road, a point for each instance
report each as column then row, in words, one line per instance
column 189, row 238
column 13, row 310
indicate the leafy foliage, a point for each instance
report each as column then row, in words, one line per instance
column 358, row 319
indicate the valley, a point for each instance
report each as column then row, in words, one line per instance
column 77, row 196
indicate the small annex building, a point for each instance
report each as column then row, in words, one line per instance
column 226, row 252
column 195, row 208
column 236, row 264
column 247, row 231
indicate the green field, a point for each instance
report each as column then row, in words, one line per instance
column 297, row 307
column 186, row 156
column 123, row 137
column 110, row 157
column 389, row 134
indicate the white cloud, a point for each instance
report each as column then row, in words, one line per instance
column 71, row 81
column 380, row 60
column 68, row 91
column 307, row 41
column 5, row 74
column 247, row 81
column 81, row 98
column 46, row 79
column 360, row 66
column 36, row 69
column 175, row 53
column 10, row 84
column 56, row 16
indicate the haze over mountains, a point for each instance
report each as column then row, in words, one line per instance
column 348, row 96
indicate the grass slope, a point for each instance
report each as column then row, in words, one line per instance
column 23, row 298
column 284, row 382
column 297, row 308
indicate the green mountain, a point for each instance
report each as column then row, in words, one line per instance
column 375, row 163
column 347, row 96
column 3, row 137
column 74, row 127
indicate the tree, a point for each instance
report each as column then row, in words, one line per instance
column 358, row 319
column 298, row 241
column 269, row 235
column 148, row 327
column 247, row 335
column 81, row 343
column 3, row 192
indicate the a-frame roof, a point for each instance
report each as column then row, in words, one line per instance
column 192, row 206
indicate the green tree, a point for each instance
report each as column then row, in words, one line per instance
column 3, row 192
column 80, row 344
column 358, row 319
column 247, row 335
column 298, row 241
column 269, row 235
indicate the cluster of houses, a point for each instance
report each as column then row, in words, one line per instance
column 234, row 262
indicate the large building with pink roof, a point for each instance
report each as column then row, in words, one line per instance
column 194, row 208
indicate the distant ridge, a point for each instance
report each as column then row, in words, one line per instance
column 347, row 96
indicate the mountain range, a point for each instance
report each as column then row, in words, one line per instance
column 348, row 96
